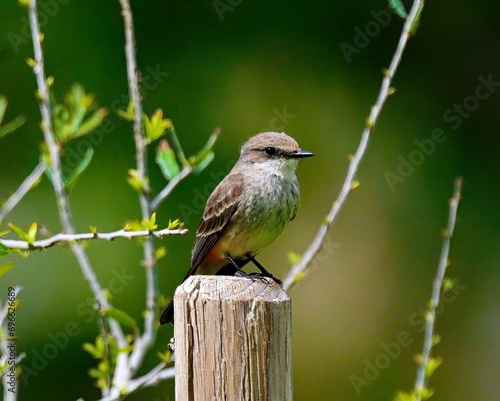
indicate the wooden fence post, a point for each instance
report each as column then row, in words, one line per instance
column 232, row 340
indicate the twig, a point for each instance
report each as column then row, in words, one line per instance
column 152, row 378
column 436, row 289
column 165, row 192
column 298, row 269
column 27, row 184
column 61, row 195
column 146, row 340
column 49, row 242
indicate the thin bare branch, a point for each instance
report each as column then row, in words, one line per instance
column 165, row 192
column 57, row 179
column 299, row 269
column 147, row 338
column 69, row 238
column 436, row 288
column 23, row 189
column 152, row 378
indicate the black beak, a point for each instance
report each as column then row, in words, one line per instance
column 299, row 154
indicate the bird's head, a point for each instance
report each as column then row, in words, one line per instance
column 273, row 151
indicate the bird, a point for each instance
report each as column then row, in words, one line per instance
column 248, row 209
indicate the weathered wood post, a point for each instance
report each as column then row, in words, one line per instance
column 232, row 340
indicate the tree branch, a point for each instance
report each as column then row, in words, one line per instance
column 165, row 192
column 436, row 289
column 299, row 269
column 58, row 238
column 23, row 189
column 152, row 378
column 146, row 340
column 57, row 179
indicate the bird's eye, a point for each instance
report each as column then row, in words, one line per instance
column 270, row 151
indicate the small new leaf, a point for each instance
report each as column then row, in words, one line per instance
column 32, row 231
column 160, row 253
column 404, row 396
column 20, row 233
column 11, row 126
column 205, row 156
column 398, row 7
column 94, row 351
column 150, row 224
column 120, row 316
column 165, row 158
column 416, row 23
column 164, row 357
column 172, row 225
column 70, row 182
column 294, row 258
column 127, row 114
column 432, row 365
column 156, row 126
column 135, row 181
column 133, row 225
column 5, row 268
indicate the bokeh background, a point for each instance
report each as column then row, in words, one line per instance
column 240, row 68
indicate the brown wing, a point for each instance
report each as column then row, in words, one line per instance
column 221, row 205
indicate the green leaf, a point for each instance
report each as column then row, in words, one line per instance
column 14, row 124
column 120, row 316
column 96, row 352
column 32, row 232
column 133, row 225
column 431, row 366
column 416, row 22
column 160, row 253
column 164, row 357
column 4, row 251
column 77, row 116
column 201, row 164
column 165, row 158
column 91, row 123
column 127, row 114
column 398, row 7
column 3, row 107
column 151, row 223
column 20, row 233
column 70, row 182
column 205, row 155
column 176, row 145
column 156, row 126
column 135, row 181
column 403, row 396
column 5, row 268
column 173, row 224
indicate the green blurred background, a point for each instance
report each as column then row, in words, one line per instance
column 239, row 73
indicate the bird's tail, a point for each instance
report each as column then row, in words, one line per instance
column 168, row 314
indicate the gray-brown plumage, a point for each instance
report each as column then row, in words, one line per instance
column 249, row 208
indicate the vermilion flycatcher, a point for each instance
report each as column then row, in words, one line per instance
column 248, row 209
